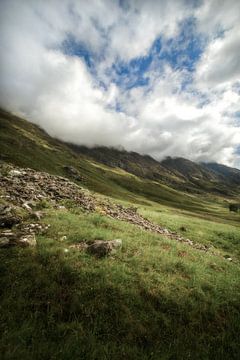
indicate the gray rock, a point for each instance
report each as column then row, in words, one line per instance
column 16, row 172
column 28, row 240
column 4, row 242
column 101, row 248
column 37, row 215
column 27, row 207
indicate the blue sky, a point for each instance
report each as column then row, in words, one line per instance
column 157, row 77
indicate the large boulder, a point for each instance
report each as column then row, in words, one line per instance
column 101, row 248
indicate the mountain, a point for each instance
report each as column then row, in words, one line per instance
column 179, row 173
column 112, row 171
column 224, row 172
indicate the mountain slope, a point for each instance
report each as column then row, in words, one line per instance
column 24, row 144
column 178, row 173
column 224, row 172
column 123, row 175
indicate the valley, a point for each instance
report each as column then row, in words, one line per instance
column 170, row 292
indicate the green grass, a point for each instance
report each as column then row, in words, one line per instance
column 205, row 229
column 155, row 299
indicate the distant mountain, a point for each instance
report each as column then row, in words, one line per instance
column 113, row 171
column 188, row 169
column 179, row 173
column 226, row 173
column 140, row 165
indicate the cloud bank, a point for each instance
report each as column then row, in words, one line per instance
column 157, row 77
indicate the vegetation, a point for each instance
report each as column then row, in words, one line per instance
column 155, row 299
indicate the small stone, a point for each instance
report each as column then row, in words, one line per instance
column 4, row 242
column 37, row 215
column 61, row 207
column 15, row 173
column 28, row 240
column 27, row 207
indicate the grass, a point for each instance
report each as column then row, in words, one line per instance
column 155, row 299
column 205, row 229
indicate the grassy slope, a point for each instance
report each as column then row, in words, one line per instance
column 157, row 299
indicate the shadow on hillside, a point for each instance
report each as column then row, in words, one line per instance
column 54, row 310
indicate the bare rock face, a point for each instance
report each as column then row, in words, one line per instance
column 101, row 248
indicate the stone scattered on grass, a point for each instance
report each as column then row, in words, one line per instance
column 4, row 242
column 28, row 240
column 101, row 248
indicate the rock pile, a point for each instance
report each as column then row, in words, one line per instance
column 26, row 187
column 117, row 211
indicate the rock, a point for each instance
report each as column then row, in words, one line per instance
column 27, row 207
column 5, row 209
column 16, row 172
column 73, row 172
column 8, row 221
column 116, row 245
column 37, row 215
column 4, row 242
column 28, row 240
column 101, row 248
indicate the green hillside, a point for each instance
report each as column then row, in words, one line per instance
column 157, row 298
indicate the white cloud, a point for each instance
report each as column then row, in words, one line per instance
column 59, row 93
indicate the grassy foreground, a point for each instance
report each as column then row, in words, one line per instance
column 155, row 299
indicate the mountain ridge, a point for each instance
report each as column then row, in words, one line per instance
column 26, row 144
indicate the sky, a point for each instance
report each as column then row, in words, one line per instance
column 157, row 77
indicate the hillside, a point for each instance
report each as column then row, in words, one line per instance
column 26, row 145
column 230, row 175
column 92, row 255
column 178, row 173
